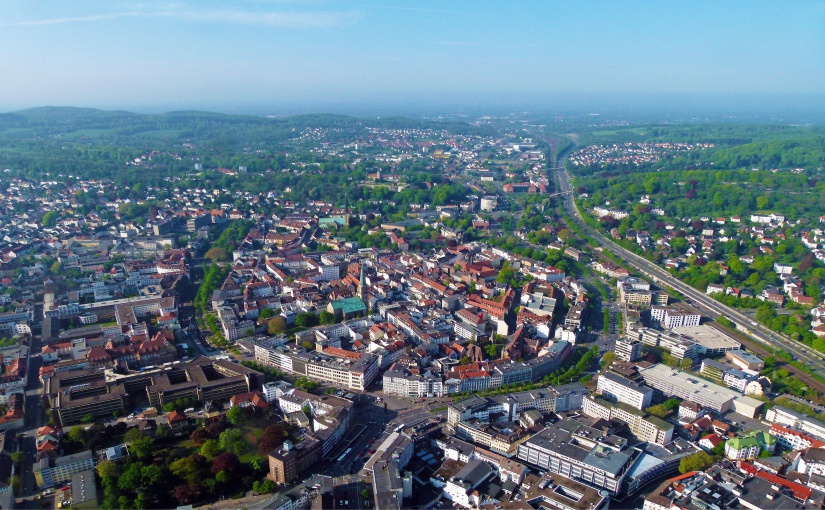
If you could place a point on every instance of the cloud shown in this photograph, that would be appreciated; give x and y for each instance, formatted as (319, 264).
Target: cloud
(281, 19)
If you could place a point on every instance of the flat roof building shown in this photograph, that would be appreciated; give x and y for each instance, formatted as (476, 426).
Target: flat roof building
(675, 383)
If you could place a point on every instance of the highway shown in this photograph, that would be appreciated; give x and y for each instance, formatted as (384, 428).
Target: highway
(707, 305)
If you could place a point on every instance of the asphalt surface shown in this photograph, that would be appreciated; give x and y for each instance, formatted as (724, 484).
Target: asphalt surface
(707, 305)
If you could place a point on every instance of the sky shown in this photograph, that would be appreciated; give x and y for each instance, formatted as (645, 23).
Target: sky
(319, 55)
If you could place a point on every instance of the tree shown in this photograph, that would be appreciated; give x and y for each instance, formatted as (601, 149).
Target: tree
(191, 468)
(306, 320)
(187, 494)
(143, 447)
(265, 487)
(308, 345)
(216, 254)
(227, 463)
(266, 313)
(199, 436)
(49, 219)
(233, 440)
(132, 435)
(465, 360)
(608, 359)
(130, 479)
(273, 437)
(327, 317)
(210, 448)
(151, 475)
(276, 325)
(699, 461)
(236, 415)
(108, 469)
(686, 364)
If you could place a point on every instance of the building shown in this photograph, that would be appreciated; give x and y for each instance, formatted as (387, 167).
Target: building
(557, 491)
(671, 318)
(289, 461)
(744, 360)
(791, 439)
(507, 407)
(750, 446)
(347, 308)
(461, 488)
(77, 393)
(554, 450)
(628, 350)
(616, 388)
(675, 383)
(642, 425)
(784, 416)
(398, 380)
(84, 490)
(49, 471)
(351, 370)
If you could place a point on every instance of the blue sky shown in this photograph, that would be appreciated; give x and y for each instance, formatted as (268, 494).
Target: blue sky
(233, 54)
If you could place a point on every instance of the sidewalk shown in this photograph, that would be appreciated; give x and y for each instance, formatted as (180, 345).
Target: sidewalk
(244, 502)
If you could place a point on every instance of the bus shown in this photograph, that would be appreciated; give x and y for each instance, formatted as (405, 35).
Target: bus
(343, 455)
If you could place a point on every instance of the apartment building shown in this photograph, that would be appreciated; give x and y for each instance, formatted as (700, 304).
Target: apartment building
(797, 420)
(628, 350)
(50, 471)
(642, 425)
(507, 407)
(353, 373)
(290, 460)
(618, 389)
(672, 318)
(750, 446)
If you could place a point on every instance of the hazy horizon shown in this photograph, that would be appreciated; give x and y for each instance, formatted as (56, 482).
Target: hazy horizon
(326, 55)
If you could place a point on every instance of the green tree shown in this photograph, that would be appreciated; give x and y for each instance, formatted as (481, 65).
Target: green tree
(327, 317)
(49, 219)
(108, 469)
(686, 364)
(699, 461)
(236, 416)
(143, 448)
(306, 320)
(210, 449)
(233, 440)
(608, 359)
(276, 325)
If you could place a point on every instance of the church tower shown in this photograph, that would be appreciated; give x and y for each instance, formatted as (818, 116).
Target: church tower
(362, 286)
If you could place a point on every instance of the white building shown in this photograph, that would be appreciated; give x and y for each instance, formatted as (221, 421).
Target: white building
(619, 389)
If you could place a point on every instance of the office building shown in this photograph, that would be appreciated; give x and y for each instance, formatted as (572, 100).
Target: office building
(628, 350)
(50, 471)
(616, 388)
(675, 383)
(554, 450)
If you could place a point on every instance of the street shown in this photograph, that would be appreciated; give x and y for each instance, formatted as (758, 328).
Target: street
(709, 306)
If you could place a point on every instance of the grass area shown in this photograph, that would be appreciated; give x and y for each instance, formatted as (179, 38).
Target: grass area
(438, 409)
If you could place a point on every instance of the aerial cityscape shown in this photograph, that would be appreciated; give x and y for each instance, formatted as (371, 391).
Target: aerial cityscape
(328, 255)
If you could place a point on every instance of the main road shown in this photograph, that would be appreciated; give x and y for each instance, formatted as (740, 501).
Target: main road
(708, 305)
